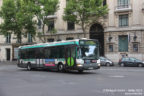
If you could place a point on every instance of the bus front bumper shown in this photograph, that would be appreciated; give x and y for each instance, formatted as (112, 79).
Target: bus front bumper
(92, 66)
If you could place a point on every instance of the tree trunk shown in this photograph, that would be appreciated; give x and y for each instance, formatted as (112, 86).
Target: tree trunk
(84, 31)
(44, 39)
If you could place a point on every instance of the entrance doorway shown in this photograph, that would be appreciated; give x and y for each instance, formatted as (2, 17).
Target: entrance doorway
(97, 32)
(8, 54)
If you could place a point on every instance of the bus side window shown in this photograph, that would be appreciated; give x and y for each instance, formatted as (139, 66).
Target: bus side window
(31, 53)
(47, 52)
(39, 53)
(36, 53)
(61, 52)
(73, 52)
(53, 53)
(23, 54)
(66, 52)
(56, 52)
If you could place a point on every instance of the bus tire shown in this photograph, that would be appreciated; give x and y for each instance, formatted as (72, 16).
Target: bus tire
(61, 68)
(29, 68)
(80, 71)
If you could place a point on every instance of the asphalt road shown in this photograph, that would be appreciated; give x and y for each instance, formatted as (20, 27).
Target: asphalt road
(107, 81)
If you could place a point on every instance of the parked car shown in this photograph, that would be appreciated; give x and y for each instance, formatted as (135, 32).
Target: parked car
(106, 62)
(130, 61)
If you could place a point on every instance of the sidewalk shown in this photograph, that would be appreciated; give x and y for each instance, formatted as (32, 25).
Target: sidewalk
(8, 62)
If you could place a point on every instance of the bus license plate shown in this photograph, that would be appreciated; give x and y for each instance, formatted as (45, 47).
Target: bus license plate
(94, 61)
(90, 68)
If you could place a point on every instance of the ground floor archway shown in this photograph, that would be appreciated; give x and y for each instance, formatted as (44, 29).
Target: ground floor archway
(97, 32)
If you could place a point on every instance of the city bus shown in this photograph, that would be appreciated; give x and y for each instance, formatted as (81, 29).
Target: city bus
(78, 54)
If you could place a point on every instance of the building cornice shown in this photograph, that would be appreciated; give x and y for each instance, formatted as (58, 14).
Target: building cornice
(10, 44)
(65, 33)
(116, 29)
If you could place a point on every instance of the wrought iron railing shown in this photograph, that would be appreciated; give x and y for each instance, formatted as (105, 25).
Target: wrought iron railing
(125, 6)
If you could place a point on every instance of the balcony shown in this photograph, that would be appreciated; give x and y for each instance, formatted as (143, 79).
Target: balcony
(51, 16)
(123, 8)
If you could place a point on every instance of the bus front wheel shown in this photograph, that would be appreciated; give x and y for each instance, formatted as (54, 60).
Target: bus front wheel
(80, 71)
(61, 68)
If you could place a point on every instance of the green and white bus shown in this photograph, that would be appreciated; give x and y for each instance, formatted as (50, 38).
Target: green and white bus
(79, 54)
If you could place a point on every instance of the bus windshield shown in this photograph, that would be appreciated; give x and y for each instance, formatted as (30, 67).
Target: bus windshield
(89, 51)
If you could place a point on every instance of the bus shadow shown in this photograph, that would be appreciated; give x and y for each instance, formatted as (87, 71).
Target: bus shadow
(66, 72)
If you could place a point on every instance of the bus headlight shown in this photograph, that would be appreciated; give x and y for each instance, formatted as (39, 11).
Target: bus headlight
(79, 65)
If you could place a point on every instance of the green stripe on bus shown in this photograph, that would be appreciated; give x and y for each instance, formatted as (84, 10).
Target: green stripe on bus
(45, 45)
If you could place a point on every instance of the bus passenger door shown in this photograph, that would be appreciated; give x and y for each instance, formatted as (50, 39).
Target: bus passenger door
(39, 59)
(70, 56)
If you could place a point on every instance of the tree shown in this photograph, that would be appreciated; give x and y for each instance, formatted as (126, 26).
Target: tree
(84, 12)
(24, 16)
(8, 15)
(46, 8)
(17, 18)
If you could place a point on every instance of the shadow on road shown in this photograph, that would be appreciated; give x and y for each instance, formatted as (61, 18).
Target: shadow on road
(67, 72)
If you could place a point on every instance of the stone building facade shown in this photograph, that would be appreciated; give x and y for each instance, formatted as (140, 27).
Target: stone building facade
(120, 33)
(124, 35)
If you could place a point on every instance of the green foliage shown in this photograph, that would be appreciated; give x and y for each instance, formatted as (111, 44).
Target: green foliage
(46, 8)
(17, 18)
(84, 12)
(8, 14)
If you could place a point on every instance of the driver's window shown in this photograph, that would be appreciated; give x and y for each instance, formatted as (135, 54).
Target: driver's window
(78, 52)
(73, 51)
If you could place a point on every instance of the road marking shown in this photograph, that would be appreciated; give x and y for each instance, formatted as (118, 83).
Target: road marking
(123, 69)
(118, 76)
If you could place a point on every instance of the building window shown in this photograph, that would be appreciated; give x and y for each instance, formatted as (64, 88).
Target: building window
(123, 3)
(123, 20)
(8, 54)
(67, 1)
(30, 38)
(39, 23)
(69, 38)
(8, 38)
(51, 25)
(50, 40)
(104, 2)
(59, 40)
(135, 47)
(123, 43)
(70, 25)
(110, 48)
